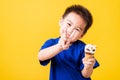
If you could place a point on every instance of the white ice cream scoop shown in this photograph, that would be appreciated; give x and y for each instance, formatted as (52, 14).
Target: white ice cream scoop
(89, 48)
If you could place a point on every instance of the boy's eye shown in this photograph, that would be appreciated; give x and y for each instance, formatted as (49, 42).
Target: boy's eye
(69, 24)
(77, 29)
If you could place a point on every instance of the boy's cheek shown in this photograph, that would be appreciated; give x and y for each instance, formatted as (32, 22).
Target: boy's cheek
(61, 31)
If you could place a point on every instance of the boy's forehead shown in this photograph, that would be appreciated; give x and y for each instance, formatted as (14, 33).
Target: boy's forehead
(72, 17)
(70, 14)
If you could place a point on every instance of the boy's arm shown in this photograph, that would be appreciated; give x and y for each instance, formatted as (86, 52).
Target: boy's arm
(49, 52)
(88, 67)
(52, 51)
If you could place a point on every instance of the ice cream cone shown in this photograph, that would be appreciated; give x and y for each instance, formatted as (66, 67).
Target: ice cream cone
(88, 56)
(89, 51)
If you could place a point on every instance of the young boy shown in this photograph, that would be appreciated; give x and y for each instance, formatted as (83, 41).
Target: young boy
(66, 53)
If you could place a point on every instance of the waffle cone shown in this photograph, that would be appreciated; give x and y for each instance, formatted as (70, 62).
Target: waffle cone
(88, 56)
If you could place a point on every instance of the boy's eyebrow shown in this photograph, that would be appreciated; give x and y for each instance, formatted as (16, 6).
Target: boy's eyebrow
(70, 21)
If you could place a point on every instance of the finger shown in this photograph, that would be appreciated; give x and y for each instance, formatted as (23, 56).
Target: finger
(64, 37)
(65, 32)
(72, 34)
(68, 42)
(66, 46)
(91, 60)
(71, 31)
(88, 64)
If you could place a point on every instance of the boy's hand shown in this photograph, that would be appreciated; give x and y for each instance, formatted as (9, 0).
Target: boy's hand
(88, 67)
(64, 40)
(89, 63)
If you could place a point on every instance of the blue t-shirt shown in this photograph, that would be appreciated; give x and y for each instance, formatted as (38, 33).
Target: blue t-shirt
(67, 65)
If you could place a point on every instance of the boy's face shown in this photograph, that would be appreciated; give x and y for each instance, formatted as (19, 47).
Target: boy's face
(74, 26)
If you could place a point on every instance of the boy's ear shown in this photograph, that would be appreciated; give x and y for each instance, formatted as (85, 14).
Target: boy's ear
(60, 21)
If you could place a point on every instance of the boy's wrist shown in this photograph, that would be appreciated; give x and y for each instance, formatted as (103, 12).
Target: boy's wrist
(87, 66)
(60, 46)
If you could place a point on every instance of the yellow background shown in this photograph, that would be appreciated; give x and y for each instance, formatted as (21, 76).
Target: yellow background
(26, 24)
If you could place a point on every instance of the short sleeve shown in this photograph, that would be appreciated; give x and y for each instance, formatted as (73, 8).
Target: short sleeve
(48, 43)
(96, 64)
